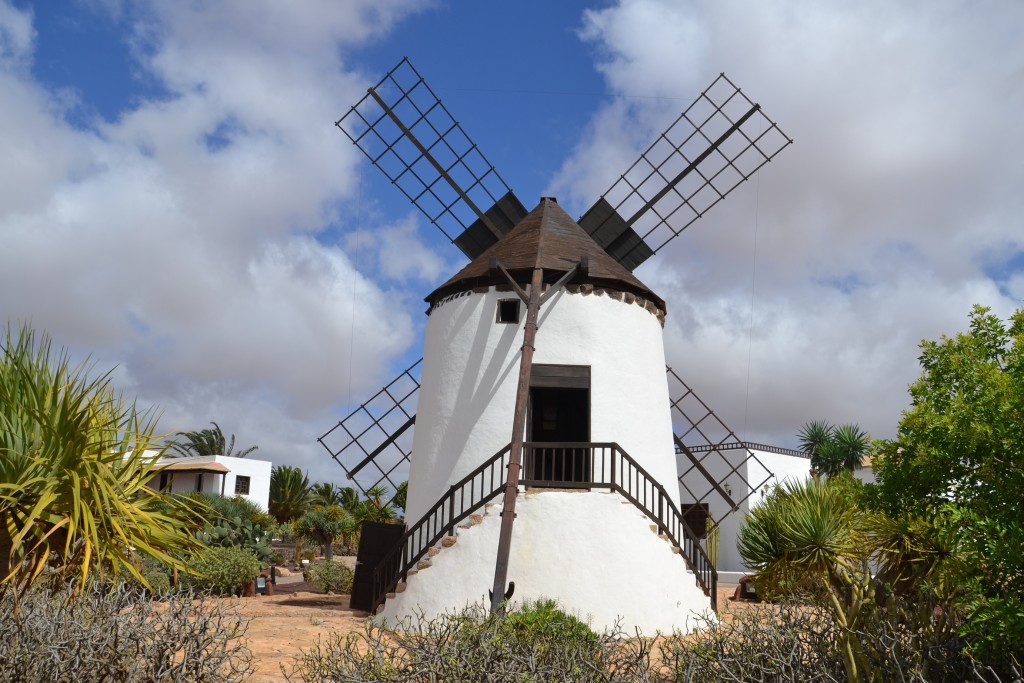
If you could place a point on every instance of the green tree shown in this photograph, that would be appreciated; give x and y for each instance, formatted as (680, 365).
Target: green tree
(373, 508)
(207, 442)
(816, 537)
(810, 535)
(959, 455)
(324, 526)
(75, 459)
(834, 450)
(290, 493)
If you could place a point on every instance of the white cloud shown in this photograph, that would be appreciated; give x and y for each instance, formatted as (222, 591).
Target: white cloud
(873, 231)
(17, 37)
(179, 239)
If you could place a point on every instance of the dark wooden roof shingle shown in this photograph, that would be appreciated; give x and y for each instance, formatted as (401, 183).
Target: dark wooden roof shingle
(547, 237)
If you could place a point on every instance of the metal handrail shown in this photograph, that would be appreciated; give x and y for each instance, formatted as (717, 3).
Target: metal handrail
(462, 499)
(583, 465)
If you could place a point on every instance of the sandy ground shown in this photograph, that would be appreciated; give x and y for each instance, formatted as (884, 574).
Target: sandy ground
(284, 624)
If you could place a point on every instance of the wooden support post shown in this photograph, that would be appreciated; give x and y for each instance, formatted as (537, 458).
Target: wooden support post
(508, 508)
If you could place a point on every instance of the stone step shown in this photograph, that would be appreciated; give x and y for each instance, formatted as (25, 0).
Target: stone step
(475, 519)
(448, 541)
(400, 588)
(424, 564)
(433, 552)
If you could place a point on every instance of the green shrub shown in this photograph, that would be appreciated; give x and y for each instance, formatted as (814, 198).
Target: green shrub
(330, 577)
(115, 633)
(542, 620)
(156, 576)
(222, 570)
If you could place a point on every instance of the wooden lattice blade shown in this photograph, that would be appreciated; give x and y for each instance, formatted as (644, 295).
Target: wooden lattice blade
(373, 444)
(716, 144)
(714, 463)
(405, 130)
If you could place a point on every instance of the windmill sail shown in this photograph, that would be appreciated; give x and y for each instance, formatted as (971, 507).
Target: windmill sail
(373, 443)
(712, 453)
(405, 130)
(718, 142)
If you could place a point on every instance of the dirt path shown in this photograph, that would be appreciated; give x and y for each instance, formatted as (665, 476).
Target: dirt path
(284, 624)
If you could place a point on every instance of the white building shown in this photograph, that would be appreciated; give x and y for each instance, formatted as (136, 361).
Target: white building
(745, 472)
(598, 388)
(225, 475)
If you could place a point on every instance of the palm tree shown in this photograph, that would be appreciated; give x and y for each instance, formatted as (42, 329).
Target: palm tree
(834, 450)
(813, 436)
(208, 442)
(374, 509)
(853, 444)
(327, 493)
(75, 459)
(290, 493)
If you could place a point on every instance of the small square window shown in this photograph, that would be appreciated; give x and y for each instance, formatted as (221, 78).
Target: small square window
(241, 486)
(508, 311)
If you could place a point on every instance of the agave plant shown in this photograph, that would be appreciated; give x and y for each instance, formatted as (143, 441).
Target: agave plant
(75, 458)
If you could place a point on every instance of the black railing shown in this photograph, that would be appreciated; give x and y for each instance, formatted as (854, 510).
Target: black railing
(462, 499)
(606, 465)
(547, 465)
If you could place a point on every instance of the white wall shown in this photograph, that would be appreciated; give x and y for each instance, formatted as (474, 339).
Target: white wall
(470, 373)
(779, 466)
(257, 470)
(596, 555)
(865, 474)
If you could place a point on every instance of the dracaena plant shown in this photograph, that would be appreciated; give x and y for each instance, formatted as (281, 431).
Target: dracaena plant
(75, 458)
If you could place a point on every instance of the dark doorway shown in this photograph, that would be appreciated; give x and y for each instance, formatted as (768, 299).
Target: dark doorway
(559, 416)
(695, 517)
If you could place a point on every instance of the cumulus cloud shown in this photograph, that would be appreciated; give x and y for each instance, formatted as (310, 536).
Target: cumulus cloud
(805, 294)
(186, 239)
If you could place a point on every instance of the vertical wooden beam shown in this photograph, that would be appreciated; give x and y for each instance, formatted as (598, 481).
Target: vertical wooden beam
(508, 509)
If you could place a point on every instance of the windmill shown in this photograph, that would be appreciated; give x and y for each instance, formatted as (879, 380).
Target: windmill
(586, 401)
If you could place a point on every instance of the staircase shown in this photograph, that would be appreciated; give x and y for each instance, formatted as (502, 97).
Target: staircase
(546, 465)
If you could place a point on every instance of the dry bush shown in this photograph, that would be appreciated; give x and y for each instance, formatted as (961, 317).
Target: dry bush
(120, 634)
(905, 642)
(472, 645)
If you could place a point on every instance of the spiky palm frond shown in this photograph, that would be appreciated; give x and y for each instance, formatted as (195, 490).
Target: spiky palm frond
(813, 435)
(207, 442)
(803, 531)
(75, 461)
(290, 493)
(853, 443)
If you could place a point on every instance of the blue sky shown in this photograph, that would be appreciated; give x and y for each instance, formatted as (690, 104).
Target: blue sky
(175, 200)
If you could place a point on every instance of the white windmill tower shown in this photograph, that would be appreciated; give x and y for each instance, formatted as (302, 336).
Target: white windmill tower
(572, 424)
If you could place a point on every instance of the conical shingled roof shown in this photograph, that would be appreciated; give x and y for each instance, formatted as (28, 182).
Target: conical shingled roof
(547, 237)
